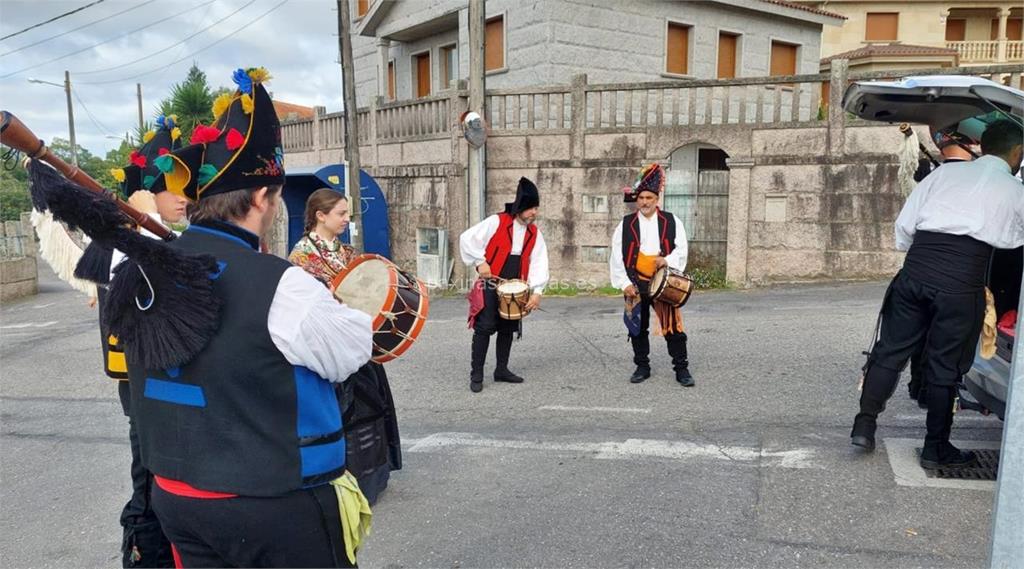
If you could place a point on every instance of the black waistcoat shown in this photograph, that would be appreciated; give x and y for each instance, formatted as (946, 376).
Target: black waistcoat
(631, 239)
(239, 418)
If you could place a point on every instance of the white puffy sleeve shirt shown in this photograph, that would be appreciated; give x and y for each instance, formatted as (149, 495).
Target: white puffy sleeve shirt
(473, 249)
(650, 244)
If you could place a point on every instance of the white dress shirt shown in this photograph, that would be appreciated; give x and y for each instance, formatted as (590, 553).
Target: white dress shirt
(473, 247)
(314, 330)
(650, 244)
(980, 199)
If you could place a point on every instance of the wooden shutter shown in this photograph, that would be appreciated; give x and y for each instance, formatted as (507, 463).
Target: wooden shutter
(363, 7)
(391, 80)
(783, 59)
(882, 26)
(1014, 29)
(423, 75)
(677, 56)
(956, 30)
(727, 56)
(494, 44)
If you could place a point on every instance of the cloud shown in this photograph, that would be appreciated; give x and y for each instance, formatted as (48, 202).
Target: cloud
(296, 42)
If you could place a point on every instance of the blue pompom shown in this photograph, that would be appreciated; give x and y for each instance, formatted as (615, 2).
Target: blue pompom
(242, 79)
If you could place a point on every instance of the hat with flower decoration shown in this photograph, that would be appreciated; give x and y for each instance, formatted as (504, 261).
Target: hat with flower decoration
(242, 149)
(651, 179)
(141, 172)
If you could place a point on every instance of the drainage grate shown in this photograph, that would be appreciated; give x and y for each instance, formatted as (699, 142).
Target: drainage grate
(985, 469)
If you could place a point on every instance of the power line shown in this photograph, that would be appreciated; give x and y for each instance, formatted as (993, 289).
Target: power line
(158, 52)
(93, 46)
(44, 40)
(182, 48)
(92, 117)
(53, 19)
(189, 56)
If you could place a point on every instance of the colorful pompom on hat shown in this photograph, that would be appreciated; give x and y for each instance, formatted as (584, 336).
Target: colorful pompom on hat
(242, 149)
(651, 179)
(141, 173)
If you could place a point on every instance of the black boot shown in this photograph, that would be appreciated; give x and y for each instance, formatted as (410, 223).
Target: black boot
(680, 362)
(879, 383)
(641, 357)
(476, 375)
(503, 351)
(938, 451)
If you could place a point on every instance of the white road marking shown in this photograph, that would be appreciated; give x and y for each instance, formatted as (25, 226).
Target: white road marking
(629, 449)
(908, 472)
(47, 305)
(594, 409)
(29, 325)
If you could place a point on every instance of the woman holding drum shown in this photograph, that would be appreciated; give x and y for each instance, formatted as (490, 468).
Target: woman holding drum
(511, 258)
(368, 411)
(647, 258)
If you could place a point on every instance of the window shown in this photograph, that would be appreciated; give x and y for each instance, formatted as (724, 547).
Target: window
(882, 26)
(593, 203)
(421, 69)
(956, 30)
(727, 44)
(449, 66)
(1013, 29)
(783, 58)
(594, 254)
(391, 80)
(362, 7)
(677, 49)
(494, 44)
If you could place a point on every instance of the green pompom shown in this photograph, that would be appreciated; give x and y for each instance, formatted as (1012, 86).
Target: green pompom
(206, 173)
(165, 163)
(148, 182)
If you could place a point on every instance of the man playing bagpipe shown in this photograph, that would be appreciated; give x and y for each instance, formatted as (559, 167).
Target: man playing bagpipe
(643, 242)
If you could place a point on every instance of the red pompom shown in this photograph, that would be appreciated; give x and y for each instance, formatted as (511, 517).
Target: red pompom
(162, 151)
(235, 139)
(137, 159)
(203, 134)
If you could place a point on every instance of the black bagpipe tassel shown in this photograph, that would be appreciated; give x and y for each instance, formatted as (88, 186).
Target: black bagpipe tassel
(94, 266)
(160, 303)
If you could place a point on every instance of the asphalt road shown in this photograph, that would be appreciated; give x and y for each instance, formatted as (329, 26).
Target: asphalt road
(574, 468)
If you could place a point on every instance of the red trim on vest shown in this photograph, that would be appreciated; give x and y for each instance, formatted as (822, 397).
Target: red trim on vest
(634, 247)
(179, 488)
(500, 246)
(177, 557)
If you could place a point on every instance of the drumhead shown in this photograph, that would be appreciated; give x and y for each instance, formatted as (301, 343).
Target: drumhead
(366, 286)
(513, 287)
(658, 280)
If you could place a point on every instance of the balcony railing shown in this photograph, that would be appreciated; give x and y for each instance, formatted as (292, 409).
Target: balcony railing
(987, 51)
(1015, 50)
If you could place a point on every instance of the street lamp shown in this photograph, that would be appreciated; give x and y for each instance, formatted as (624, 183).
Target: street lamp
(71, 111)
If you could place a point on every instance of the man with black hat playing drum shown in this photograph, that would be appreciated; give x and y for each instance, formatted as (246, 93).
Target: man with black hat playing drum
(245, 439)
(507, 245)
(644, 242)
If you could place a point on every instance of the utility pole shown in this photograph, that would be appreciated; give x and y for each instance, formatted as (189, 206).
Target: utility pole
(477, 156)
(1007, 548)
(348, 84)
(138, 93)
(71, 118)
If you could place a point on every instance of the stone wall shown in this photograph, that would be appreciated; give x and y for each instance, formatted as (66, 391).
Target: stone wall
(18, 270)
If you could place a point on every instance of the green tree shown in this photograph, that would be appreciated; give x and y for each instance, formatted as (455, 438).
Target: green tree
(14, 197)
(192, 102)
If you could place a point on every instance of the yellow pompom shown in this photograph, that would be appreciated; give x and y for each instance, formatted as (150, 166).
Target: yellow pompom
(175, 133)
(247, 104)
(259, 74)
(221, 104)
(148, 136)
(174, 118)
(118, 174)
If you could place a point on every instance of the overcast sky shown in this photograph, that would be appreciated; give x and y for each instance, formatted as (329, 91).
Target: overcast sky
(295, 42)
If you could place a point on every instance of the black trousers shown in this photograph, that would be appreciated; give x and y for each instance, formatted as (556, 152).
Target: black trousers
(143, 542)
(917, 317)
(372, 444)
(676, 342)
(488, 322)
(299, 529)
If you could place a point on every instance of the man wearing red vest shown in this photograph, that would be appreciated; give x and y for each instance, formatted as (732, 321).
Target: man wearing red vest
(644, 242)
(506, 245)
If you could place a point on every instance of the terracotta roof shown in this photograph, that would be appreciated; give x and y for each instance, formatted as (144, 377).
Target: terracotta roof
(796, 6)
(890, 49)
(289, 111)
